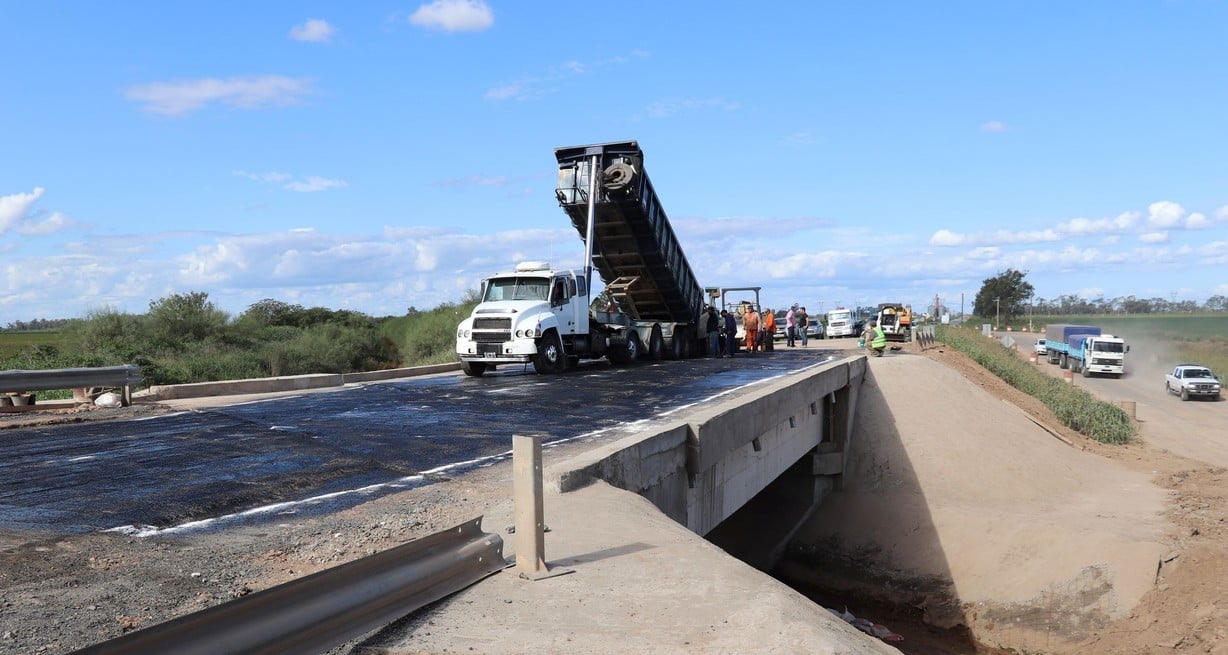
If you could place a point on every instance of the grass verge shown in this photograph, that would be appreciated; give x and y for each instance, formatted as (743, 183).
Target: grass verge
(1074, 407)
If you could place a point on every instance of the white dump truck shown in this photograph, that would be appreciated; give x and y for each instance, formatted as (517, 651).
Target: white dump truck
(552, 319)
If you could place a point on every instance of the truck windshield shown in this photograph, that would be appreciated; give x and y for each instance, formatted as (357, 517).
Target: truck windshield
(839, 316)
(517, 288)
(1111, 347)
(1197, 373)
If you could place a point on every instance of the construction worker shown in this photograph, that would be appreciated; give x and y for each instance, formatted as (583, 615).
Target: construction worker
(750, 322)
(769, 328)
(876, 339)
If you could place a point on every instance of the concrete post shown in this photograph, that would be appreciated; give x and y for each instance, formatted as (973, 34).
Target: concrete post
(530, 514)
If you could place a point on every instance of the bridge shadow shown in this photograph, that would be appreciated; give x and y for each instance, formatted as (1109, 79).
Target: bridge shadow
(872, 547)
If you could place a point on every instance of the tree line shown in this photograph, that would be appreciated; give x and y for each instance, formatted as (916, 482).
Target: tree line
(1008, 295)
(185, 338)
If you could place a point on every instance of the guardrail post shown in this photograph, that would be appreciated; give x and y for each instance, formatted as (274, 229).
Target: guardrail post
(530, 521)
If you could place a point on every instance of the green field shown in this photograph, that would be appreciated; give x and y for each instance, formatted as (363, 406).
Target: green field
(13, 343)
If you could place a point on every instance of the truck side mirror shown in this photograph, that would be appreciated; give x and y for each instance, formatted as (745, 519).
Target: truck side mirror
(1127, 348)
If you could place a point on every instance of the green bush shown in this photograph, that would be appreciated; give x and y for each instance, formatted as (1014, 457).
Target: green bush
(1074, 407)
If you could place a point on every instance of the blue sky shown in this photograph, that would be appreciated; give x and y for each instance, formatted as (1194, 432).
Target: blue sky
(378, 155)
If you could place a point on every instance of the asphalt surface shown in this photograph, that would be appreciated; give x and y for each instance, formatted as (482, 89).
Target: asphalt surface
(321, 452)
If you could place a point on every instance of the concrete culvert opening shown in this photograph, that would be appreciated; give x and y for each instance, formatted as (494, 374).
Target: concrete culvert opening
(961, 524)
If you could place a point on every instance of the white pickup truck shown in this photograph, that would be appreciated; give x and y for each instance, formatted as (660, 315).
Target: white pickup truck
(1190, 381)
(1040, 347)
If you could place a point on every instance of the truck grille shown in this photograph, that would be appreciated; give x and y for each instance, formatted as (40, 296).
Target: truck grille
(492, 330)
(480, 323)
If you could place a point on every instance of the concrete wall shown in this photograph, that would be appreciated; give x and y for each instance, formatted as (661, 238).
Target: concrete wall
(700, 471)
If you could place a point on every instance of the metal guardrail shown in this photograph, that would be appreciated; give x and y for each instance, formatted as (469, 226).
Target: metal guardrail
(119, 377)
(325, 609)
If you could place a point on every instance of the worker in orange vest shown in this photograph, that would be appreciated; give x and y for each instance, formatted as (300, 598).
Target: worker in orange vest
(769, 328)
(750, 323)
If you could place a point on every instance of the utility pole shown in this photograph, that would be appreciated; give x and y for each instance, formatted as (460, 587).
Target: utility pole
(997, 313)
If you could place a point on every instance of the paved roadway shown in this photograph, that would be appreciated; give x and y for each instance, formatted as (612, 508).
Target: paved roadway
(319, 452)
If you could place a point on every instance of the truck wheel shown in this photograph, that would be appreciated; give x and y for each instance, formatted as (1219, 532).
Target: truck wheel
(1083, 369)
(1063, 361)
(550, 357)
(656, 344)
(632, 348)
(473, 369)
(1185, 394)
(677, 345)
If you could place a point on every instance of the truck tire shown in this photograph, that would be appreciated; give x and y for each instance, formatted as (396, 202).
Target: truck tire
(678, 344)
(1086, 373)
(473, 369)
(617, 176)
(550, 357)
(1185, 394)
(656, 344)
(632, 349)
(1063, 361)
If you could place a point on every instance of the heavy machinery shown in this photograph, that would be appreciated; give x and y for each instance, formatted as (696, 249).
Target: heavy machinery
(896, 321)
(651, 300)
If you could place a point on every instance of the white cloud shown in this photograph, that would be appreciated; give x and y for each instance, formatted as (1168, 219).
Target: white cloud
(309, 184)
(946, 238)
(57, 222)
(1165, 214)
(1159, 236)
(1121, 223)
(535, 86)
(993, 127)
(454, 16)
(504, 92)
(314, 183)
(672, 106)
(256, 92)
(315, 30)
(13, 208)
(1197, 221)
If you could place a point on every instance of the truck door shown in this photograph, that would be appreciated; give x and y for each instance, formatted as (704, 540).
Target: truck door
(563, 302)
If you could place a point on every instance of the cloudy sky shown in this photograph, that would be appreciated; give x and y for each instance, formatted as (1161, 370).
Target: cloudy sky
(378, 155)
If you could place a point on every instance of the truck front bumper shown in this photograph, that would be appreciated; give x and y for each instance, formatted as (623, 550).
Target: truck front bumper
(507, 352)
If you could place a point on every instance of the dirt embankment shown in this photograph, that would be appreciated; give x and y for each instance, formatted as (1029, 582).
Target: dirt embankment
(1032, 536)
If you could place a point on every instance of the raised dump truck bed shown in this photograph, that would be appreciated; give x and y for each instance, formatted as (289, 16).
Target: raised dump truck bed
(634, 249)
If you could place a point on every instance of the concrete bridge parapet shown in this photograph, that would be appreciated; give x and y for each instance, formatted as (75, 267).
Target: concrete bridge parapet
(700, 471)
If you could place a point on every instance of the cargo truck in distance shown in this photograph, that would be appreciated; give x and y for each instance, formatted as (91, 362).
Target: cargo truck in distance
(840, 323)
(1083, 349)
(651, 302)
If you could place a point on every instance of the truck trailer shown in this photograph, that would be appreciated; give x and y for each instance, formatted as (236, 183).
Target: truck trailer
(651, 301)
(1056, 336)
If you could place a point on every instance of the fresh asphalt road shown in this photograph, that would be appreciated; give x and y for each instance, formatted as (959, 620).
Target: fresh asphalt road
(320, 452)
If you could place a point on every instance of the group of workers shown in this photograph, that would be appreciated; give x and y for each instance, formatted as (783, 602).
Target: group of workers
(718, 331)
